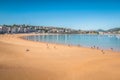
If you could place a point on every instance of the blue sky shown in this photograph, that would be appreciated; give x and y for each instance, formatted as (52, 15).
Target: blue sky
(76, 14)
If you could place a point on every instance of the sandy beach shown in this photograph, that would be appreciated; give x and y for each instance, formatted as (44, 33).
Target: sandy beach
(28, 60)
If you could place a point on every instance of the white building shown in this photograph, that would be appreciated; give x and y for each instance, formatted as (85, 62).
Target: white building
(101, 32)
(0, 29)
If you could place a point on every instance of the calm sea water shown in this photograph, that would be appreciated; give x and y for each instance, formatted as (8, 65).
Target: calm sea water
(101, 41)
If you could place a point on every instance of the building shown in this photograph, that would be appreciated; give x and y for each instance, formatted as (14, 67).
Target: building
(0, 29)
(100, 32)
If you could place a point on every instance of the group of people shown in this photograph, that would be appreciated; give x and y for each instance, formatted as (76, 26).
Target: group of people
(94, 47)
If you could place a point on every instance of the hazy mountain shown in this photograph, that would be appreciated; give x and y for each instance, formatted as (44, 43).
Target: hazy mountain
(101, 30)
(114, 29)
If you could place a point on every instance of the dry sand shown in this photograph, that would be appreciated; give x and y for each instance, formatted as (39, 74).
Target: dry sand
(27, 60)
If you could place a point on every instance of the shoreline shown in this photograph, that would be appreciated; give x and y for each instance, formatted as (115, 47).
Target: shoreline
(21, 36)
(90, 47)
(29, 60)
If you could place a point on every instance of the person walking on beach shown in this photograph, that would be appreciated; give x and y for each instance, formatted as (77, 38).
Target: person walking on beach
(102, 51)
(27, 50)
(93, 46)
(47, 45)
(112, 49)
(97, 47)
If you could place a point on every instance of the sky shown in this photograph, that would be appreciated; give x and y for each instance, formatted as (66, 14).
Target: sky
(75, 14)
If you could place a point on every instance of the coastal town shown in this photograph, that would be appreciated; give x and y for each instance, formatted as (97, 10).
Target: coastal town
(10, 29)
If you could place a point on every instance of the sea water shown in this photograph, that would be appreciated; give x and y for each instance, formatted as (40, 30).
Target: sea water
(86, 40)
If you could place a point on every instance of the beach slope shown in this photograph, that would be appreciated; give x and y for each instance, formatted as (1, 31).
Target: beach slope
(28, 60)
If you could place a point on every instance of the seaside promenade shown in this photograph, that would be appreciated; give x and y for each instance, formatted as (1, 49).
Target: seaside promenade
(29, 60)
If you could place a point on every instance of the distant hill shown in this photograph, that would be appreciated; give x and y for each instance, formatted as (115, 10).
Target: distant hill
(114, 29)
(101, 30)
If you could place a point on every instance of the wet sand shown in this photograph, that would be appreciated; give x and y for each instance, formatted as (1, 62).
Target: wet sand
(28, 60)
